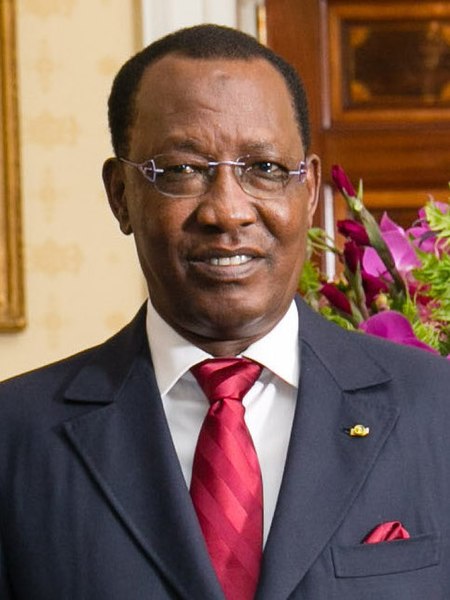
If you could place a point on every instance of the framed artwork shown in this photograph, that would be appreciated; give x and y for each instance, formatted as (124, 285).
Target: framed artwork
(12, 314)
(389, 62)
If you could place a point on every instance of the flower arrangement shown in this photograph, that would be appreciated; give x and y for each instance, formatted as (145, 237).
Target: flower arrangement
(395, 283)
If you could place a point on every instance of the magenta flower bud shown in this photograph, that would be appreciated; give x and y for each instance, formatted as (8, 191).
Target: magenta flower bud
(352, 255)
(335, 297)
(341, 181)
(373, 286)
(353, 230)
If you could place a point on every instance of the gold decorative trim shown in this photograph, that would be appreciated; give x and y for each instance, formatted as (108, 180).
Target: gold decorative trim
(261, 24)
(12, 311)
(138, 25)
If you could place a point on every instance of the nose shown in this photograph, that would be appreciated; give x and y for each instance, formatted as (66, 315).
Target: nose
(226, 207)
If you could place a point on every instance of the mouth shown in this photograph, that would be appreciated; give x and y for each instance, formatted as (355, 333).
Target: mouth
(226, 265)
(229, 261)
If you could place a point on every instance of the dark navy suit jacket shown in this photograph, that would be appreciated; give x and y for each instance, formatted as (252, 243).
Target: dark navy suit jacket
(93, 504)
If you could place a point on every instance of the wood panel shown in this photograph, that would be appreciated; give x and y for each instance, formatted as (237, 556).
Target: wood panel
(394, 133)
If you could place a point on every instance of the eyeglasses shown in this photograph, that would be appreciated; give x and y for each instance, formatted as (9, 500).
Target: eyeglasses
(189, 176)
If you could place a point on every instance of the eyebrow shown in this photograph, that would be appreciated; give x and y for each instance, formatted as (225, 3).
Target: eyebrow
(262, 147)
(252, 147)
(186, 145)
(192, 145)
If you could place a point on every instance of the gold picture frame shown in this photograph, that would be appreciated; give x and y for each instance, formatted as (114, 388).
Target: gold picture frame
(12, 310)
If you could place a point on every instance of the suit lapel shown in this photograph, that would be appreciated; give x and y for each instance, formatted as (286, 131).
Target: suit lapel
(127, 447)
(325, 467)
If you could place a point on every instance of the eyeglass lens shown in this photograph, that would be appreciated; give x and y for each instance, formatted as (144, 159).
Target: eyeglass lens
(191, 176)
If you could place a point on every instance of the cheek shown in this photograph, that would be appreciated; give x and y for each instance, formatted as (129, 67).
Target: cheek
(289, 232)
(159, 233)
(288, 223)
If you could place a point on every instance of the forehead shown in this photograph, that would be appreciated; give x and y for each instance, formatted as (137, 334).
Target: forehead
(216, 99)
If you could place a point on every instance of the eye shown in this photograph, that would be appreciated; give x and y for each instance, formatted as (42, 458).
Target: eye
(175, 169)
(267, 169)
(181, 169)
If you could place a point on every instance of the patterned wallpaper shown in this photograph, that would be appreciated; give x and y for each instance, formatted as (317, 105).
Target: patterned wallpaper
(82, 281)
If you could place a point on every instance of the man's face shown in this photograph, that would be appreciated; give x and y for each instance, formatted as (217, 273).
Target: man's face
(223, 266)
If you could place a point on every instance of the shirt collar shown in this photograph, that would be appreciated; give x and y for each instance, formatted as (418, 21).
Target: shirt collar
(173, 355)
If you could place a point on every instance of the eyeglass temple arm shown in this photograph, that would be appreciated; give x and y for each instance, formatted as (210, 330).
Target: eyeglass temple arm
(301, 171)
(144, 168)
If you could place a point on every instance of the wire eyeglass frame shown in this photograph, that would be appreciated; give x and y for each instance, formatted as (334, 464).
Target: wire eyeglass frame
(150, 172)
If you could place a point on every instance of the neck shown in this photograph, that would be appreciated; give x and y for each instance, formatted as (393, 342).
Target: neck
(222, 341)
(220, 348)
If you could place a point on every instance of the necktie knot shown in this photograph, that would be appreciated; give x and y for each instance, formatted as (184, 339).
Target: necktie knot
(226, 378)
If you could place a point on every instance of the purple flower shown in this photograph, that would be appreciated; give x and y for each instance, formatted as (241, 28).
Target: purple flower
(394, 326)
(373, 265)
(402, 251)
(353, 230)
(336, 297)
(398, 243)
(423, 238)
(341, 181)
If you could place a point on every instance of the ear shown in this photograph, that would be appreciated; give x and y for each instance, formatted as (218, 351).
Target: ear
(115, 188)
(313, 181)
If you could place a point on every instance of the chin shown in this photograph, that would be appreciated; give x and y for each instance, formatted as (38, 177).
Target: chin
(236, 322)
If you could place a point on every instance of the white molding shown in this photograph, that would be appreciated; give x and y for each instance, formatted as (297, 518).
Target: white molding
(328, 220)
(246, 15)
(158, 20)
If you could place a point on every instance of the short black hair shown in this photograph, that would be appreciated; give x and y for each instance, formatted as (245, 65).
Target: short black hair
(202, 42)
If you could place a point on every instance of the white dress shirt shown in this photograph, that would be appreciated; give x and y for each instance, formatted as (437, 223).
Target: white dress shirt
(269, 404)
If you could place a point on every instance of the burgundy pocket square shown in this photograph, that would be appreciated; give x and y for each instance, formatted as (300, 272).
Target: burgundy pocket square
(386, 532)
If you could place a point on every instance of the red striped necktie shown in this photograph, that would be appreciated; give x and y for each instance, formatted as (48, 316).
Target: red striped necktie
(226, 486)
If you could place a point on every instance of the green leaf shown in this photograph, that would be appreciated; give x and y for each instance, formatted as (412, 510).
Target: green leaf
(437, 220)
(333, 316)
(310, 279)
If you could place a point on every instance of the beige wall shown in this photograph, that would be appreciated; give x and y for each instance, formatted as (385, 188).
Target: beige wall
(82, 281)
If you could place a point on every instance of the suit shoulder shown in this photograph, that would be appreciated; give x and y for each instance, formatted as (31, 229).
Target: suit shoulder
(47, 377)
(351, 356)
(400, 356)
(102, 357)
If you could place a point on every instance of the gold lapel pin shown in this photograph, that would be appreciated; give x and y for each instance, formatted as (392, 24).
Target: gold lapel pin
(358, 430)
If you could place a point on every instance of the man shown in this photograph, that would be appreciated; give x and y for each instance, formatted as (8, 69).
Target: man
(349, 433)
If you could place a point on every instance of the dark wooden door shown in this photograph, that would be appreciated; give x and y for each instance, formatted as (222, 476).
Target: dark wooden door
(378, 80)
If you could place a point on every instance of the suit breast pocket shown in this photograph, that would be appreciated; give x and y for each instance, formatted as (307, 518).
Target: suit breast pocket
(404, 569)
